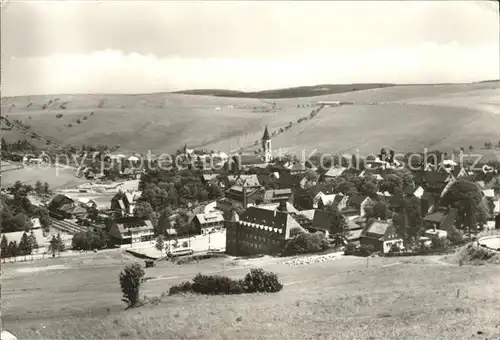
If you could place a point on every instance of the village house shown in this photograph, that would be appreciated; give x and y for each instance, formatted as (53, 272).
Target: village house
(123, 204)
(441, 219)
(64, 207)
(278, 195)
(327, 223)
(298, 167)
(359, 202)
(260, 231)
(321, 201)
(130, 230)
(375, 173)
(208, 222)
(381, 235)
(243, 197)
(334, 172)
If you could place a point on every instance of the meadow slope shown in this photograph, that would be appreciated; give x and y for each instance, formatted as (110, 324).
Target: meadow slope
(403, 117)
(386, 298)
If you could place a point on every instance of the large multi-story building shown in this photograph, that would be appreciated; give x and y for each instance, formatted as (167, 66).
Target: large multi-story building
(260, 231)
(130, 230)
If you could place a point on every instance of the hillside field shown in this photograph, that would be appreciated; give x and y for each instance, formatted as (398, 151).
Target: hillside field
(405, 118)
(348, 298)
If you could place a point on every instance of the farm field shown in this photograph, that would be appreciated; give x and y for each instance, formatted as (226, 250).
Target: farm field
(348, 298)
(405, 118)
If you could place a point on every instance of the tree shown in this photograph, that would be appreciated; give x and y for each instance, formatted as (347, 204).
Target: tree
(53, 246)
(466, 197)
(24, 246)
(43, 215)
(13, 249)
(130, 282)
(46, 189)
(60, 244)
(33, 242)
(214, 191)
(143, 210)
(38, 187)
(369, 188)
(160, 245)
(4, 248)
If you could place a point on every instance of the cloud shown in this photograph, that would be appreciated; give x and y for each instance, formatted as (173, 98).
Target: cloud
(113, 71)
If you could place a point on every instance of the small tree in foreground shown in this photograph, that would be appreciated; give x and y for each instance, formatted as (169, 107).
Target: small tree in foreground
(160, 245)
(4, 248)
(130, 281)
(33, 243)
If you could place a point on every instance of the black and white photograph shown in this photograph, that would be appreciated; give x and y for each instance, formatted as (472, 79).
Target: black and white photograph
(250, 170)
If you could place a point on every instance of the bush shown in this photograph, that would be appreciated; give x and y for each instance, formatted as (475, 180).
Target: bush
(350, 248)
(306, 243)
(260, 281)
(455, 236)
(216, 285)
(184, 287)
(438, 242)
(130, 281)
(256, 281)
(366, 250)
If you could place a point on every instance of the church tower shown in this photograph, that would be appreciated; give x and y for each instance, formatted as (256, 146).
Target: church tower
(266, 146)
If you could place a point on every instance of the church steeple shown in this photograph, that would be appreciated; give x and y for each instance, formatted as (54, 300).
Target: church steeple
(266, 135)
(266, 146)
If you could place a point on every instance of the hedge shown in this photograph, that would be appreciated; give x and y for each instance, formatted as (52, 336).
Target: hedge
(257, 281)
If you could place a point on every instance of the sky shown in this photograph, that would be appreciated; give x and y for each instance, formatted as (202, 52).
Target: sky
(55, 47)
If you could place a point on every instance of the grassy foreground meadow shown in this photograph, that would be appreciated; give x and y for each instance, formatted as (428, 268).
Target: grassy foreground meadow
(348, 298)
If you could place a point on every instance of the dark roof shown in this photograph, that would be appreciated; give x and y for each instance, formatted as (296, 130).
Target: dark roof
(248, 159)
(440, 215)
(376, 229)
(456, 170)
(323, 220)
(435, 177)
(266, 135)
(271, 218)
(357, 199)
(277, 194)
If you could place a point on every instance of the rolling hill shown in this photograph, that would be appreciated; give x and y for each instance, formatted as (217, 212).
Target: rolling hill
(408, 117)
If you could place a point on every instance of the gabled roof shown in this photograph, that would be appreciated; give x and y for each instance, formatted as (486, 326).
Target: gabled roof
(334, 199)
(273, 219)
(248, 159)
(357, 199)
(373, 172)
(489, 192)
(132, 224)
(277, 194)
(211, 217)
(418, 192)
(274, 206)
(435, 177)
(335, 171)
(439, 216)
(298, 166)
(244, 180)
(309, 214)
(376, 229)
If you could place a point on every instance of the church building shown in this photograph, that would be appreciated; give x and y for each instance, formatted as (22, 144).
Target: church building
(242, 160)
